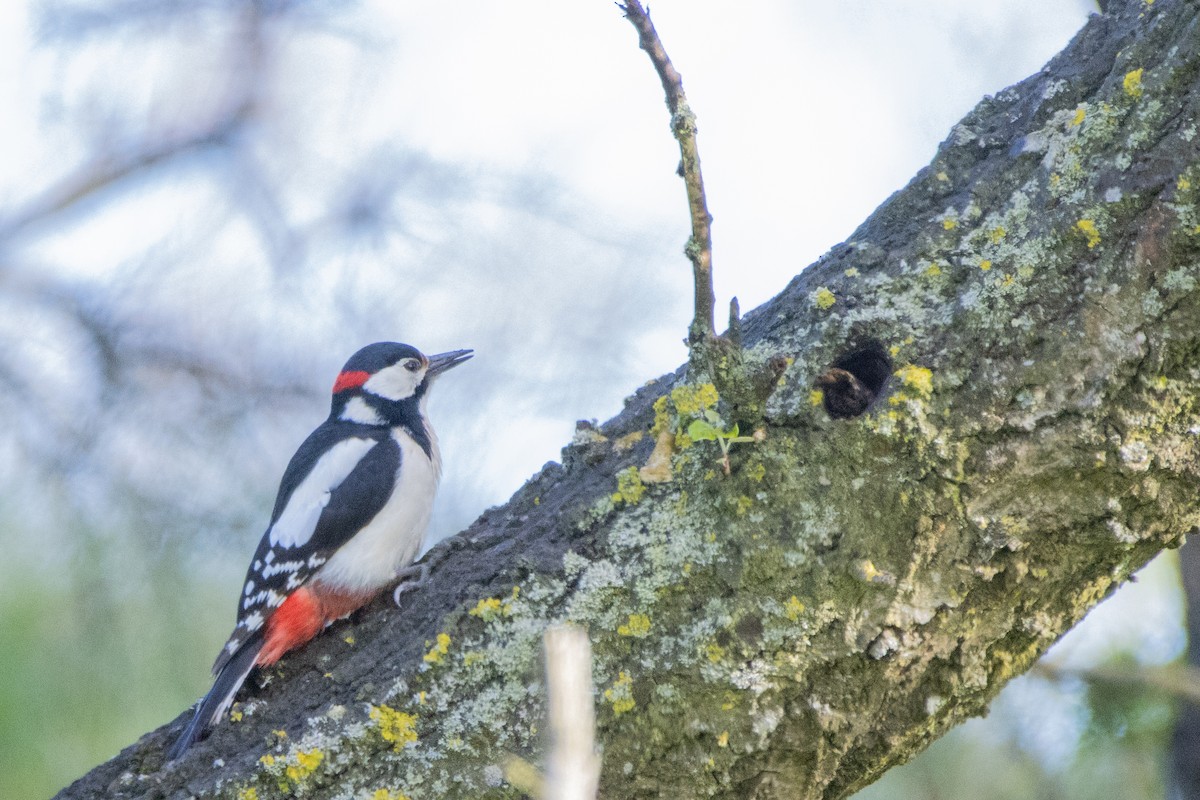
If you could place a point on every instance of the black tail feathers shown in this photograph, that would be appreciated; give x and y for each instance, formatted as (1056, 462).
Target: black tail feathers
(219, 697)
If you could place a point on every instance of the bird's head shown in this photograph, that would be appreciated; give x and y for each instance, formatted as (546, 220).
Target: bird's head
(390, 372)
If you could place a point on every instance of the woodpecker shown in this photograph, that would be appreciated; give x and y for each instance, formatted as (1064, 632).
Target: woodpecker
(349, 518)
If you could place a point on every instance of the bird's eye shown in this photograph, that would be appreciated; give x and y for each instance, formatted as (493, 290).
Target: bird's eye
(412, 365)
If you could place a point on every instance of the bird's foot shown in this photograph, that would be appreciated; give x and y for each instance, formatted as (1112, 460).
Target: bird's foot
(410, 579)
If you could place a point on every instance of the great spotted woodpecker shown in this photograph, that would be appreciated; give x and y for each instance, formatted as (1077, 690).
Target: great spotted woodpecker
(349, 519)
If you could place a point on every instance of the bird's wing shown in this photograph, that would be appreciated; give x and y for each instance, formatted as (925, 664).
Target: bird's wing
(337, 482)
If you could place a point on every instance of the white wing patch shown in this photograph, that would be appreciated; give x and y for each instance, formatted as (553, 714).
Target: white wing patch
(296, 524)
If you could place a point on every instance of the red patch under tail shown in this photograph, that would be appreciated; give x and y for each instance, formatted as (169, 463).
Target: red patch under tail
(302, 616)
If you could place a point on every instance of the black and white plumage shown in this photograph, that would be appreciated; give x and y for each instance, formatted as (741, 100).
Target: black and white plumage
(350, 515)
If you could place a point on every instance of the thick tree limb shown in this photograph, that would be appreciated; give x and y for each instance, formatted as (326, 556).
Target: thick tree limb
(853, 589)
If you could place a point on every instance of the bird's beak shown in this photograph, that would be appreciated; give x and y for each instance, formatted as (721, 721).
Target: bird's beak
(444, 361)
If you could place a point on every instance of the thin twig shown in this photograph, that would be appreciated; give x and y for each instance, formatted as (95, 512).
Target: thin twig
(105, 172)
(573, 768)
(1180, 680)
(683, 125)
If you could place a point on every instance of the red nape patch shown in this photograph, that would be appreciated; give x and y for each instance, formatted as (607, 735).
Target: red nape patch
(299, 619)
(350, 380)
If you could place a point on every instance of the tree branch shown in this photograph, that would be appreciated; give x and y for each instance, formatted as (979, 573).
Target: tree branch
(854, 588)
(683, 126)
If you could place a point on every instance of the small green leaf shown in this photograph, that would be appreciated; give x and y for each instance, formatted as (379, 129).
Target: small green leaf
(700, 431)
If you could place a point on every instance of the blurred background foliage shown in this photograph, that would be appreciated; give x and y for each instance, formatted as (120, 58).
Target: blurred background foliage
(207, 205)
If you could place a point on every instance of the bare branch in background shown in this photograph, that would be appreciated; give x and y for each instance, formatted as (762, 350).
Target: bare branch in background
(1180, 681)
(108, 171)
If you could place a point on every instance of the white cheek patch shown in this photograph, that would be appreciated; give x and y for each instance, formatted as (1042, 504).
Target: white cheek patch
(395, 382)
(357, 410)
(296, 524)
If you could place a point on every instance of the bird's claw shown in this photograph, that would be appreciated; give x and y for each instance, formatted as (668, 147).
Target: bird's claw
(410, 579)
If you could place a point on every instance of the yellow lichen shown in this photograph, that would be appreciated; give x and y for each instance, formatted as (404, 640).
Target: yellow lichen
(866, 570)
(793, 608)
(1080, 116)
(933, 270)
(348, 638)
(851, 273)
(824, 299)
(620, 694)
(1133, 82)
(267, 760)
(691, 400)
(306, 763)
(949, 223)
(996, 235)
(757, 472)
(714, 652)
(1183, 184)
(440, 649)
(1088, 228)
(662, 417)
(235, 715)
(630, 488)
(396, 727)
(248, 793)
(743, 505)
(985, 265)
(473, 657)
(723, 739)
(919, 379)
(816, 397)
(487, 608)
(637, 626)
(388, 794)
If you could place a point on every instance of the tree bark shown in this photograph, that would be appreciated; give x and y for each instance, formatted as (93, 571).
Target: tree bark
(851, 589)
